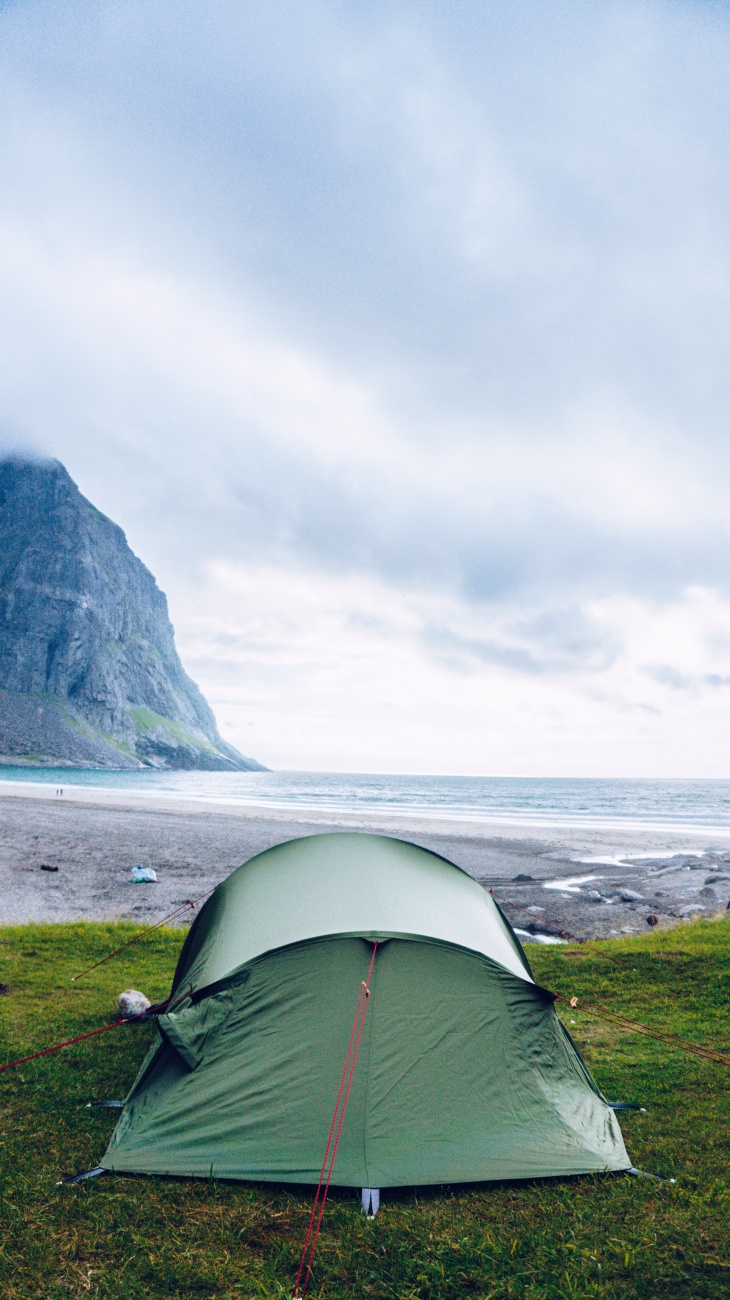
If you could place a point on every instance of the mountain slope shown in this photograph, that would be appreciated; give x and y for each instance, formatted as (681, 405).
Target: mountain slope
(89, 673)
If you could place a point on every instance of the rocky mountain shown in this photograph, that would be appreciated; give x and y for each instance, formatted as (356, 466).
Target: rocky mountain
(89, 673)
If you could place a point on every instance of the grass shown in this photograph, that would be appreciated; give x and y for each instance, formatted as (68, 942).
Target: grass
(145, 720)
(607, 1236)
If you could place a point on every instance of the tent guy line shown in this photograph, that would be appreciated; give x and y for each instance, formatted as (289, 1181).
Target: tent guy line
(307, 1260)
(601, 1013)
(189, 902)
(614, 1017)
(671, 1040)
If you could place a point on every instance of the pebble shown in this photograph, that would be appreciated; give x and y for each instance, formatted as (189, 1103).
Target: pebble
(132, 1003)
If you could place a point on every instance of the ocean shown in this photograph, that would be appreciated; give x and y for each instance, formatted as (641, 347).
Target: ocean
(527, 801)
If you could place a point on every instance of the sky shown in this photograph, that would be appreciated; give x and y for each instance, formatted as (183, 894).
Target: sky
(396, 337)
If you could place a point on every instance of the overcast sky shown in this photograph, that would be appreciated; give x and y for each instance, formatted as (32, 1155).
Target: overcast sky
(396, 337)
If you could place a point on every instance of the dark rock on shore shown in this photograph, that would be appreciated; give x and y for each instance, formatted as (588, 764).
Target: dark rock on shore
(89, 672)
(605, 900)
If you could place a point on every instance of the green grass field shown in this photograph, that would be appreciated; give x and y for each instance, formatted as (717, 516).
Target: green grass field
(611, 1236)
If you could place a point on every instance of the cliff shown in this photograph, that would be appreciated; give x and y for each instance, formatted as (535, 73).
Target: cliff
(89, 673)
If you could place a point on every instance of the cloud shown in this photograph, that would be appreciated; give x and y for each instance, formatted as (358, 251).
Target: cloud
(666, 675)
(302, 667)
(435, 301)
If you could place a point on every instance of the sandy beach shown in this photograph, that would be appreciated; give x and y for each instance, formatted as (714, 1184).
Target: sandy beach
(548, 878)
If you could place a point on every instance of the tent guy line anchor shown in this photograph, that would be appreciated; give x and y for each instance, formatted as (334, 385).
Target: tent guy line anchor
(320, 1197)
(81, 1178)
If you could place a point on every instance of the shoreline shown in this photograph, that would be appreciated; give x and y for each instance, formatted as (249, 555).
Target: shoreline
(668, 835)
(95, 836)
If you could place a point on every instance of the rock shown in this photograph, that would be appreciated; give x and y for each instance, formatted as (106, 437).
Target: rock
(690, 908)
(652, 919)
(132, 1003)
(631, 896)
(712, 880)
(535, 908)
(595, 896)
(708, 893)
(46, 866)
(143, 876)
(523, 877)
(89, 672)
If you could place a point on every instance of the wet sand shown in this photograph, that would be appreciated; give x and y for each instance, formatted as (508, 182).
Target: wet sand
(94, 838)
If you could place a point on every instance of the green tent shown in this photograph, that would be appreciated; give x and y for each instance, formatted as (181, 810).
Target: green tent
(465, 1072)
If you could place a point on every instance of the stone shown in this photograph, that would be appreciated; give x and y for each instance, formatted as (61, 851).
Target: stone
(89, 672)
(631, 896)
(523, 877)
(595, 896)
(690, 909)
(708, 892)
(712, 880)
(535, 908)
(132, 1003)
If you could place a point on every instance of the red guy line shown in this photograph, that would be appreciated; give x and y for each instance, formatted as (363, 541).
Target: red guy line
(307, 1260)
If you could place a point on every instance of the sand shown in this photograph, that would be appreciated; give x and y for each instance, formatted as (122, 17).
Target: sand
(94, 838)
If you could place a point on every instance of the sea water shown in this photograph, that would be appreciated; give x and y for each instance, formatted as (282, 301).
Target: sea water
(526, 801)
